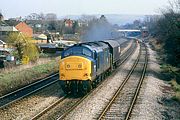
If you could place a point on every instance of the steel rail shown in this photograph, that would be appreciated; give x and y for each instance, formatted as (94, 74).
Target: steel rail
(77, 103)
(8, 98)
(120, 87)
(48, 108)
(15, 93)
(130, 50)
(27, 86)
(60, 100)
(139, 86)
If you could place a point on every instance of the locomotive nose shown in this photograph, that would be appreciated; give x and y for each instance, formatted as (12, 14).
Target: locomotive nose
(75, 68)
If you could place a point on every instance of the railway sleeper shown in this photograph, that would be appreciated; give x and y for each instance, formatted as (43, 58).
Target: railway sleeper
(76, 87)
(82, 87)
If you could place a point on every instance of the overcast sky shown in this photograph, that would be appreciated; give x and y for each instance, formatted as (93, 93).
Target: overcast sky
(14, 8)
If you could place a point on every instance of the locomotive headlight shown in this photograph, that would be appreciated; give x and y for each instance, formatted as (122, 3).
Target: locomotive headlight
(62, 75)
(68, 66)
(86, 74)
(79, 66)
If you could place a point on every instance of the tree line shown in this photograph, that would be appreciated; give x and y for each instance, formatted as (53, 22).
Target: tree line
(166, 28)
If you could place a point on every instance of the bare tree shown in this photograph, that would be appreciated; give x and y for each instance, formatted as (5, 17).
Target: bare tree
(167, 29)
(51, 16)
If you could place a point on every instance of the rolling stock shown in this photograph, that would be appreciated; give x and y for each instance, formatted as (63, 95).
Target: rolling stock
(84, 65)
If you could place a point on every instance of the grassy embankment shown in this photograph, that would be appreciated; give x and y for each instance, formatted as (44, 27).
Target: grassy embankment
(14, 79)
(172, 73)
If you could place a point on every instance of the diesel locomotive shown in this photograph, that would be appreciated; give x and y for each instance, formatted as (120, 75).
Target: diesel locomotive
(84, 65)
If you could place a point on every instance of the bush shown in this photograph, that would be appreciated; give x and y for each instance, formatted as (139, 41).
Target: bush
(176, 88)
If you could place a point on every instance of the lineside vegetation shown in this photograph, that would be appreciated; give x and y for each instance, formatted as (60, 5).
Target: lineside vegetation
(23, 45)
(12, 80)
(166, 31)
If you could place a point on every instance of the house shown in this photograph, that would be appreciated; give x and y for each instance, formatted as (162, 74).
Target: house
(68, 23)
(40, 38)
(25, 29)
(82, 23)
(71, 37)
(5, 30)
(21, 27)
(65, 43)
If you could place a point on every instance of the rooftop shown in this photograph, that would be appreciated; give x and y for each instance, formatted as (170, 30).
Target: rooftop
(2, 42)
(8, 28)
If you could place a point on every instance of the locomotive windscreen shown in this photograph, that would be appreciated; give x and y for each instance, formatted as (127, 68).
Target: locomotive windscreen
(77, 51)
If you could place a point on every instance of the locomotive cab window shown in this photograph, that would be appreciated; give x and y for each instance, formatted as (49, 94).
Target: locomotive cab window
(87, 52)
(78, 51)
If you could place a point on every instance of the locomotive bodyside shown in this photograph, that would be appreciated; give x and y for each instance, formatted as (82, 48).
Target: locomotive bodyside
(102, 57)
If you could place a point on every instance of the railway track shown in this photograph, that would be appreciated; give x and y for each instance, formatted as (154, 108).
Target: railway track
(123, 101)
(27, 90)
(124, 56)
(34, 87)
(48, 108)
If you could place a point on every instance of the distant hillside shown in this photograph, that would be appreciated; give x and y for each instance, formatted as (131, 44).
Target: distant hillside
(123, 19)
(112, 18)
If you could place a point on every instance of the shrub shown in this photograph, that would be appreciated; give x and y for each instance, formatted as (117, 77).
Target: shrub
(176, 88)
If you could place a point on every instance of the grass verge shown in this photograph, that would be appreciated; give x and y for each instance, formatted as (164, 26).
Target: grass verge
(176, 88)
(171, 73)
(13, 80)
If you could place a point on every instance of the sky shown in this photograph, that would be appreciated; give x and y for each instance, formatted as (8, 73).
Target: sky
(15, 8)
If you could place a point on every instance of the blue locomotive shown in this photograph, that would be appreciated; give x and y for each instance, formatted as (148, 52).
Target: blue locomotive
(84, 65)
